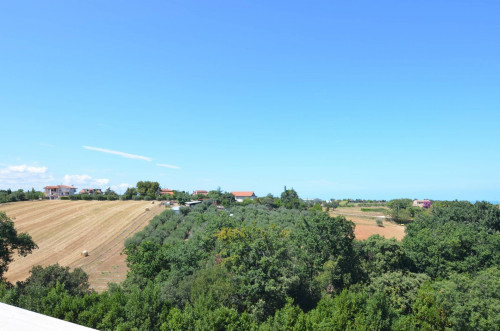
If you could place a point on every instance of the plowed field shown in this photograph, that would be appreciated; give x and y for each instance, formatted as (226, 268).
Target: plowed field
(63, 229)
(366, 223)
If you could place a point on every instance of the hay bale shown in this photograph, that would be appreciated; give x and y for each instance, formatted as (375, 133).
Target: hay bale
(85, 253)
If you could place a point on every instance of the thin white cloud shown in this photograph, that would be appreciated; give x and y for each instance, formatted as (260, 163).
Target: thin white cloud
(100, 182)
(120, 188)
(122, 154)
(24, 176)
(85, 181)
(24, 169)
(167, 166)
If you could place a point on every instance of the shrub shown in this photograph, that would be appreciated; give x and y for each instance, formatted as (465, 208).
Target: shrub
(184, 210)
(64, 198)
(379, 223)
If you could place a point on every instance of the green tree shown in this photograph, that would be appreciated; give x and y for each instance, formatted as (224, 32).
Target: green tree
(11, 241)
(261, 266)
(269, 201)
(400, 288)
(75, 282)
(379, 255)
(148, 188)
(290, 199)
(472, 302)
(182, 197)
(326, 247)
(458, 237)
(428, 313)
(130, 193)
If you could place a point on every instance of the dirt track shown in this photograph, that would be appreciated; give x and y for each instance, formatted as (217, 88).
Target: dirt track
(63, 229)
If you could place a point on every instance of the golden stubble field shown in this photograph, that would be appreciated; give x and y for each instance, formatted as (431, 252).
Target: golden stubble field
(63, 229)
(366, 223)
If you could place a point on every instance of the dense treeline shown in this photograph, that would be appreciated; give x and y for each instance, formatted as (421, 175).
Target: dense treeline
(108, 194)
(20, 195)
(288, 269)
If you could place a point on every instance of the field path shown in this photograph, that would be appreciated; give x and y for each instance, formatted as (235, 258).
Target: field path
(63, 229)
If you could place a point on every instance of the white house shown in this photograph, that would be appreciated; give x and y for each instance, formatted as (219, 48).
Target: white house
(421, 203)
(57, 191)
(240, 196)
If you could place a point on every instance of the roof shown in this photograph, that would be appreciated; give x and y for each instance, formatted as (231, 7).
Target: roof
(84, 190)
(201, 191)
(59, 186)
(14, 318)
(189, 203)
(243, 193)
(166, 190)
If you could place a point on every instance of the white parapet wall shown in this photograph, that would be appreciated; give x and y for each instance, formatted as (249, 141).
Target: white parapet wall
(18, 319)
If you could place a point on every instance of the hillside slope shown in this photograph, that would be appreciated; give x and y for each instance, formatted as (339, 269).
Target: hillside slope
(63, 229)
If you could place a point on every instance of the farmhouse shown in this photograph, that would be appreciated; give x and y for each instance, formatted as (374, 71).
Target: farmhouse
(241, 195)
(422, 203)
(202, 192)
(166, 191)
(90, 191)
(57, 191)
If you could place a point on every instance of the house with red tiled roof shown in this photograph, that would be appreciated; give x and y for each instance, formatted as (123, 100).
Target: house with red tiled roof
(241, 195)
(166, 191)
(202, 192)
(90, 191)
(57, 191)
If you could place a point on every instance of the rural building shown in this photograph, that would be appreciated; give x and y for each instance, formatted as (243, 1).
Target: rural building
(90, 191)
(191, 204)
(422, 203)
(166, 191)
(202, 192)
(57, 191)
(241, 195)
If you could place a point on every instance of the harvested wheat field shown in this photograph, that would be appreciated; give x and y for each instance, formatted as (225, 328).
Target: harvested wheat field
(366, 223)
(63, 229)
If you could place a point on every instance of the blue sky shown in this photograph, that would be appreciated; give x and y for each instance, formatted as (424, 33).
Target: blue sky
(368, 99)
